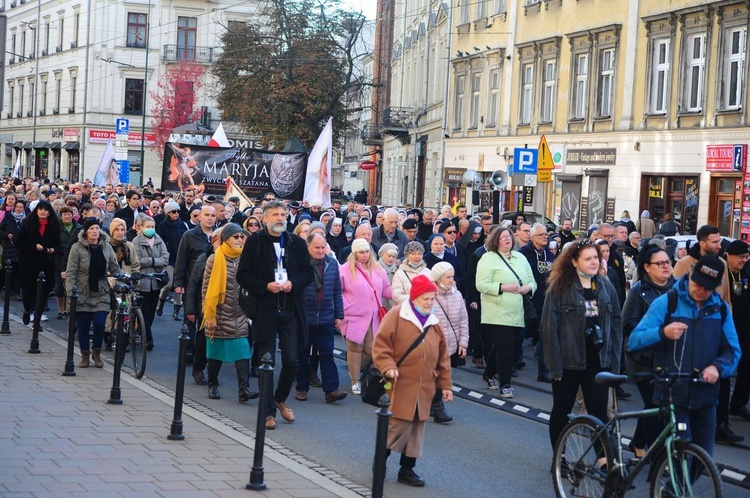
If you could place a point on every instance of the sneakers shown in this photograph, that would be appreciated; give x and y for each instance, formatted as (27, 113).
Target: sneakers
(42, 319)
(492, 384)
(725, 434)
(356, 388)
(286, 412)
(506, 392)
(335, 396)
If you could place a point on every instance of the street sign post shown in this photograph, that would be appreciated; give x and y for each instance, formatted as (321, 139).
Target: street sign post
(545, 155)
(525, 161)
(124, 167)
(544, 176)
(122, 126)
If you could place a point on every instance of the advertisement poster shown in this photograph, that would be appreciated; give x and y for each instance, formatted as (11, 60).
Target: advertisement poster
(745, 217)
(205, 169)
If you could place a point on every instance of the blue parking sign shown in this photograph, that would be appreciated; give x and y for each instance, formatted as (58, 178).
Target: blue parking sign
(123, 126)
(525, 161)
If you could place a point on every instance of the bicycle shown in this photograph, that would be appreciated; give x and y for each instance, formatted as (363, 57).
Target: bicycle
(680, 468)
(134, 325)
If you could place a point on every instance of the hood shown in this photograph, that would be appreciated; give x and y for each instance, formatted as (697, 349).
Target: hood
(466, 238)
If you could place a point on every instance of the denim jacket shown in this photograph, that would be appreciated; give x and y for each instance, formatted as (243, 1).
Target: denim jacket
(563, 329)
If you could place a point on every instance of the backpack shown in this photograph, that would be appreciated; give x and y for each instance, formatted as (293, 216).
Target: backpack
(672, 306)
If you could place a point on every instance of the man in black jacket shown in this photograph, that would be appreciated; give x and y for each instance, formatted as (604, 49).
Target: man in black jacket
(194, 243)
(134, 207)
(275, 267)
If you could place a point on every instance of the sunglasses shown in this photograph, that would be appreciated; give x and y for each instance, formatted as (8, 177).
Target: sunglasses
(253, 225)
(238, 236)
(450, 232)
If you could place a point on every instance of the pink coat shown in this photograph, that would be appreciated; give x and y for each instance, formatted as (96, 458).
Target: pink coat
(360, 305)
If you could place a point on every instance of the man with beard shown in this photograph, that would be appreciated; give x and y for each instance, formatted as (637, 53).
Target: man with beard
(275, 267)
(424, 228)
(186, 205)
(566, 233)
(709, 242)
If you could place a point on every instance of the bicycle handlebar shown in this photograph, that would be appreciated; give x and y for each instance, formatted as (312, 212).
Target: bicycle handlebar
(135, 277)
(661, 375)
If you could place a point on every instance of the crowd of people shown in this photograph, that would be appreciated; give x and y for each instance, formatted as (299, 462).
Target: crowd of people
(433, 288)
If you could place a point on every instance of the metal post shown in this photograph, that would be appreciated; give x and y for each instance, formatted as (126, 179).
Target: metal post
(6, 302)
(69, 365)
(381, 452)
(41, 298)
(266, 386)
(175, 433)
(114, 393)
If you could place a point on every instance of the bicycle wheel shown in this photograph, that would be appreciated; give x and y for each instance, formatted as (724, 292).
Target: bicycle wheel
(575, 468)
(137, 333)
(693, 473)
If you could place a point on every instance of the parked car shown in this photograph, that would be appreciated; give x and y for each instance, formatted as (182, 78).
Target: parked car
(532, 217)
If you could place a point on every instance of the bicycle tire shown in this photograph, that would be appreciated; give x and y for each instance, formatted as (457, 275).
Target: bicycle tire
(579, 474)
(137, 336)
(686, 454)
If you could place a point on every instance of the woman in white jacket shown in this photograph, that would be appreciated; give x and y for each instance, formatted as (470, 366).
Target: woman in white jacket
(412, 266)
(451, 311)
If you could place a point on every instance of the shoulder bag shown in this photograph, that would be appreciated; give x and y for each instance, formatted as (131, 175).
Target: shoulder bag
(382, 310)
(456, 360)
(529, 312)
(372, 383)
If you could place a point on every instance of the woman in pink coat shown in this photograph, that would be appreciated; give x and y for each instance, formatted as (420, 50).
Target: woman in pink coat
(364, 284)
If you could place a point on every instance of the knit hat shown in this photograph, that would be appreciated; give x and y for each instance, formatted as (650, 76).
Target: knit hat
(90, 222)
(737, 247)
(708, 272)
(387, 247)
(317, 224)
(413, 246)
(305, 216)
(216, 234)
(114, 224)
(229, 230)
(360, 245)
(171, 206)
(421, 285)
(439, 270)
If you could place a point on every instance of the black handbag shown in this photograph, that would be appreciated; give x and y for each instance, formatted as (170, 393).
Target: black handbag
(529, 311)
(371, 381)
(248, 303)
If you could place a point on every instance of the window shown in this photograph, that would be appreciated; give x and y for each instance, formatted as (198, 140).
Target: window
(464, 13)
(22, 53)
(734, 68)
(527, 92)
(696, 64)
(13, 45)
(581, 86)
(76, 26)
(73, 80)
(58, 93)
(476, 89)
(481, 11)
(133, 96)
(659, 76)
(12, 99)
(42, 104)
(458, 121)
(31, 96)
(494, 101)
(46, 36)
(606, 82)
(187, 28)
(548, 91)
(20, 99)
(60, 31)
(499, 7)
(136, 30)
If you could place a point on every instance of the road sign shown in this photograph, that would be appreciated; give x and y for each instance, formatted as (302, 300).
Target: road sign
(740, 157)
(124, 167)
(558, 156)
(121, 153)
(122, 126)
(525, 160)
(544, 176)
(529, 181)
(545, 155)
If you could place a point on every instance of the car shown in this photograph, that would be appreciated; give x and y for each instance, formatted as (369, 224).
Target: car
(531, 217)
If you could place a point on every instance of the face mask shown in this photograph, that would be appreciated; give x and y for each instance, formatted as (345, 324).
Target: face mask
(584, 275)
(149, 232)
(423, 312)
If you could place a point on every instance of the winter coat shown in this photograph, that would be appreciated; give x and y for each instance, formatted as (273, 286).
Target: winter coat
(33, 261)
(231, 323)
(67, 239)
(171, 232)
(77, 273)
(193, 243)
(135, 264)
(646, 227)
(360, 304)
(537, 258)
(563, 328)
(426, 368)
(9, 226)
(451, 311)
(708, 340)
(192, 300)
(472, 294)
(401, 284)
(152, 259)
(458, 267)
(331, 306)
(685, 265)
(399, 238)
(506, 308)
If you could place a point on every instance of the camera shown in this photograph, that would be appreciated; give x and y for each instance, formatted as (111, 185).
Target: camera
(595, 334)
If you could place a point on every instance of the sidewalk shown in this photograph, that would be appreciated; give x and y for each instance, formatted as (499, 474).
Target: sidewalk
(59, 437)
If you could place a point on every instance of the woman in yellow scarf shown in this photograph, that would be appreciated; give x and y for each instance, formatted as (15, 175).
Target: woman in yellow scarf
(226, 326)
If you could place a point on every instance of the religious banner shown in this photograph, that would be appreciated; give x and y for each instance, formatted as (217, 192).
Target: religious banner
(255, 172)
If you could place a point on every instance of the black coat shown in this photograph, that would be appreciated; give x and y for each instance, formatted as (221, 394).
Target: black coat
(256, 271)
(127, 215)
(32, 260)
(9, 226)
(171, 233)
(193, 244)
(458, 268)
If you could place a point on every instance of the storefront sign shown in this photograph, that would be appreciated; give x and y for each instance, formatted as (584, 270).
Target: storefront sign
(609, 211)
(528, 196)
(656, 191)
(584, 219)
(745, 217)
(70, 135)
(453, 176)
(726, 157)
(134, 138)
(591, 156)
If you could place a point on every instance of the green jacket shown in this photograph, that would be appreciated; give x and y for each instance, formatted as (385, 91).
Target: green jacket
(77, 272)
(506, 308)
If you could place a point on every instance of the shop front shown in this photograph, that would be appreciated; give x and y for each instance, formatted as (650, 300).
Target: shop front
(726, 164)
(454, 191)
(675, 194)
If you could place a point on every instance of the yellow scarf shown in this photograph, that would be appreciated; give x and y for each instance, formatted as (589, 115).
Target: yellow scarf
(217, 283)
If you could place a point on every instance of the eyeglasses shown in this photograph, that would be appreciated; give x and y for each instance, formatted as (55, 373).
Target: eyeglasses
(608, 237)
(238, 236)
(540, 235)
(505, 237)
(450, 232)
(661, 264)
(525, 231)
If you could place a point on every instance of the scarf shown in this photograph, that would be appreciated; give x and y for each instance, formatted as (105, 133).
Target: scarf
(122, 254)
(19, 217)
(68, 226)
(216, 293)
(388, 269)
(43, 225)
(97, 266)
(319, 267)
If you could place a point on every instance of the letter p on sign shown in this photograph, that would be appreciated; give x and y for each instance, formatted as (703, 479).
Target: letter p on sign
(525, 161)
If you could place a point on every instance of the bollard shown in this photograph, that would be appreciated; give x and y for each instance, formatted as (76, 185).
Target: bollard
(266, 387)
(175, 433)
(41, 298)
(5, 329)
(381, 452)
(114, 393)
(69, 365)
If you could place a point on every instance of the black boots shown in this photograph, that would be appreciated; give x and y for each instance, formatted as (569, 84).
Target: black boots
(406, 474)
(213, 368)
(243, 374)
(176, 313)
(437, 410)
(160, 308)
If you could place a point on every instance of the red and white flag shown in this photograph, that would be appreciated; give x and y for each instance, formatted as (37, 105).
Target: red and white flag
(219, 138)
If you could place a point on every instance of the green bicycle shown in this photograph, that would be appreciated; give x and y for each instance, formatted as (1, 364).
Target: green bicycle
(588, 459)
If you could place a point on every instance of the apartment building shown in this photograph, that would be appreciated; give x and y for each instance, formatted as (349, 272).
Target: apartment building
(74, 67)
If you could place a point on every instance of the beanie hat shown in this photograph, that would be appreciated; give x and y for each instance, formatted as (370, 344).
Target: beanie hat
(737, 247)
(360, 245)
(421, 285)
(317, 224)
(708, 272)
(229, 230)
(90, 222)
(439, 270)
(387, 247)
(114, 224)
(171, 206)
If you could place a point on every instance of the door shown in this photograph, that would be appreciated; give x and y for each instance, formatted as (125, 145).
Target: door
(721, 208)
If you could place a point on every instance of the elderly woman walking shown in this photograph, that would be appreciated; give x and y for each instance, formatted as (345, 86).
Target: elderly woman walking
(412, 378)
(412, 266)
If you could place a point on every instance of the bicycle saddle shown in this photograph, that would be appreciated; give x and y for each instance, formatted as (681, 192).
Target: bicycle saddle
(609, 379)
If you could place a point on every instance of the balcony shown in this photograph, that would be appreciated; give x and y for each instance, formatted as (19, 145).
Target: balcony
(44, 52)
(397, 121)
(175, 53)
(71, 110)
(42, 112)
(58, 48)
(371, 134)
(74, 44)
(11, 61)
(19, 114)
(31, 56)
(9, 115)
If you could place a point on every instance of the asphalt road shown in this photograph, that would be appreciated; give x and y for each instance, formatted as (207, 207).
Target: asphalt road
(488, 450)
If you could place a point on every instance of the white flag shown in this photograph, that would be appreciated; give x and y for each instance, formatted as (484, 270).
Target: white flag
(219, 138)
(108, 170)
(318, 180)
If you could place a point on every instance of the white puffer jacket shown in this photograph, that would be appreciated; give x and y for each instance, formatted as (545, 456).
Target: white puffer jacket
(451, 311)
(401, 284)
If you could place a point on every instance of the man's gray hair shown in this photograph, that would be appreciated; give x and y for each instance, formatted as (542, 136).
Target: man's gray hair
(390, 212)
(141, 218)
(273, 205)
(536, 226)
(633, 235)
(358, 233)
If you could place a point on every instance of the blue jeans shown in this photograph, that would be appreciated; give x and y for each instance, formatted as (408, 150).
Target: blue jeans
(701, 425)
(84, 319)
(322, 337)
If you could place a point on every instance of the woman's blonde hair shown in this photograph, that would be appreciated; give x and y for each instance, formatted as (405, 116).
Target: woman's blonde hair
(301, 224)
(371, 265)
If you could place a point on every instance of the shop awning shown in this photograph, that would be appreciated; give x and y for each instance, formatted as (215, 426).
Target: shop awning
(55, 145)
(71, 146)
(40, 145)
(27, 145)
(17, 145)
